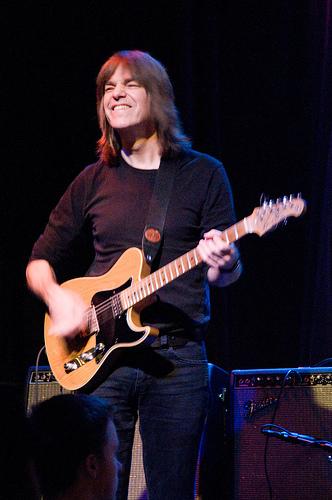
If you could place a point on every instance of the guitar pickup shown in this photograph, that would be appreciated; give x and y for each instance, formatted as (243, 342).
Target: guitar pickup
(85, 357)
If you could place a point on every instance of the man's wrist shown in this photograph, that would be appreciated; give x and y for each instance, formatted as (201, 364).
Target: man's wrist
(236, 265)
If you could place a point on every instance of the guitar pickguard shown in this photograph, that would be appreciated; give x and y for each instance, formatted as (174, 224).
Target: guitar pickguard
(113, 328)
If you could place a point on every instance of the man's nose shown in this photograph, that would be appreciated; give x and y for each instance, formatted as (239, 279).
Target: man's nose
(119, 90)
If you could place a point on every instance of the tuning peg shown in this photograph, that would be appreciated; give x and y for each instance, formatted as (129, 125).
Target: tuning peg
(263, 200)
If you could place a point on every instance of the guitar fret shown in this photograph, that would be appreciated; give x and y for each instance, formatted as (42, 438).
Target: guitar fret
(189, 263)
(141, 291)
(165, 274)
(157, 278)
(236, 233)
(174, 269)
(150, 283)
(226, 234)
(246, 226)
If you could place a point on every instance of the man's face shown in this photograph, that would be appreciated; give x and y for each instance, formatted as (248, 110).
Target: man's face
(126, 102)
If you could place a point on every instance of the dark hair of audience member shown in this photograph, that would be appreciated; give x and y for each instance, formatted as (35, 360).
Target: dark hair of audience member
(64, 430)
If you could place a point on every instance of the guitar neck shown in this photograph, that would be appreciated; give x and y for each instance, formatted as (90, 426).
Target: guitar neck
(166, 274)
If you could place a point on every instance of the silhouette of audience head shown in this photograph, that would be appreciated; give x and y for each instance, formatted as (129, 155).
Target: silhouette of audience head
(73, 447)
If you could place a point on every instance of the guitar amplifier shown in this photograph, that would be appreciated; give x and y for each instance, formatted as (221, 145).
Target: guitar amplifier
(299, 400)
(41, 385)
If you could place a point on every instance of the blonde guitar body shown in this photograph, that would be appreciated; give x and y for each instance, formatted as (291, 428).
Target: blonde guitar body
(114, 332)
(115, 299)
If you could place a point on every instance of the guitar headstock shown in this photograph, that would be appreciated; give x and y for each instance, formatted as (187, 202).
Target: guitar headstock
(271, 214)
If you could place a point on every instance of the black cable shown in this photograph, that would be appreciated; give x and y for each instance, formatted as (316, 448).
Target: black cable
(323, 362)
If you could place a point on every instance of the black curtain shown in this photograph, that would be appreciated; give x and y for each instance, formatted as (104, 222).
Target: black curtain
(317, 317)
(253, 86)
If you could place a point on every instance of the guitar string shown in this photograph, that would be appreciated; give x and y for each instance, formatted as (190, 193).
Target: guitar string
(115, 300)
(138, 287)
(106, 304)
(111, 301)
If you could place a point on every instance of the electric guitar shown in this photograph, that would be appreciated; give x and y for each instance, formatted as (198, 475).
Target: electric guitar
(115, 299)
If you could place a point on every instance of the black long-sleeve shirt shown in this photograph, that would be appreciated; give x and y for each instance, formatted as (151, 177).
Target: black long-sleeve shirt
(114, 202)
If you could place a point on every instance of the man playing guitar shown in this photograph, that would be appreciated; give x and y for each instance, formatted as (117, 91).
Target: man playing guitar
(163, 378)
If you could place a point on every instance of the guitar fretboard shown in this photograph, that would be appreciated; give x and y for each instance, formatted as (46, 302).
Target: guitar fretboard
(150, 284)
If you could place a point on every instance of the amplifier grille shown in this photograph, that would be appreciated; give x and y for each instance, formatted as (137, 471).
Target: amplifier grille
(41, 385)
(305, 407)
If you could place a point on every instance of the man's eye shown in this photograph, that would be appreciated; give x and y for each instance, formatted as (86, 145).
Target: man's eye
(108, 89)
(133, 84)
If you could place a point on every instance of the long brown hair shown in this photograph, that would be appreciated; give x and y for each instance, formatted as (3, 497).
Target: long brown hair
(152, 75)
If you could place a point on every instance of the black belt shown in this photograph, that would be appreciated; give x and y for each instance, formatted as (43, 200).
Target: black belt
(166, 341)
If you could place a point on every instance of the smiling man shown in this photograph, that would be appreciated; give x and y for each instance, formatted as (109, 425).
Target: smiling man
(165, 383)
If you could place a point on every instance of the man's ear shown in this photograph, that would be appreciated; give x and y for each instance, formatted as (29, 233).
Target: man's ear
(92, 465)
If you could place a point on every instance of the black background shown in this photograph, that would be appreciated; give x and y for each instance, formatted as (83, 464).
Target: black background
(243, 73)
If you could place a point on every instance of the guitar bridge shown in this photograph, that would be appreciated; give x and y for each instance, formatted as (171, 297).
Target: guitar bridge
(85, 357)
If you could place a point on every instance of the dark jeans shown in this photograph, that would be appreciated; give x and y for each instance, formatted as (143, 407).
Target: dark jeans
(172, 409)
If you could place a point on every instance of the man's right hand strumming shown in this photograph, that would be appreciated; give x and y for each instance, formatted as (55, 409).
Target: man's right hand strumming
(66, 308)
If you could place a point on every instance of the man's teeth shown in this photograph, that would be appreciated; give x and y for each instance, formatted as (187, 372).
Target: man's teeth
(121, 106)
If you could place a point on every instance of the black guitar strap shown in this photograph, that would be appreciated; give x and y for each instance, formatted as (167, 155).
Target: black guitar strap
(154, 228)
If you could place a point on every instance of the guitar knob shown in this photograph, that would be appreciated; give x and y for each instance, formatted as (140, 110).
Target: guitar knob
(70, 366)
(86, 356)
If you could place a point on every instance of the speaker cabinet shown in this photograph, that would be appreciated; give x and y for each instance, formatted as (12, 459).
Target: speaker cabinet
(137, 486)
(212, 469)
(264, 467)
(41, 385)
